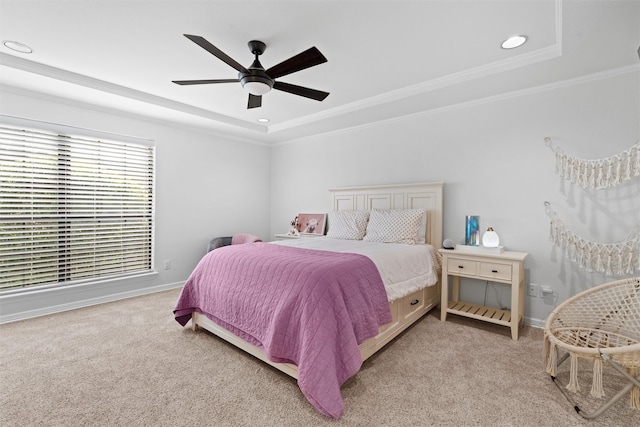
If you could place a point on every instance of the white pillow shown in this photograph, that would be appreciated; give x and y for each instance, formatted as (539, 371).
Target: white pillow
(394, 226)
(348, 225)
(422, 231)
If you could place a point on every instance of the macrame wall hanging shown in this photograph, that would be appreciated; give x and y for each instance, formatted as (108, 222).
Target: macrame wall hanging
(610, 258)
(601, 173)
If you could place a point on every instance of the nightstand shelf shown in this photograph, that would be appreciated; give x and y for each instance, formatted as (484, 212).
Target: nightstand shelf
(480, 312)
(506, 267)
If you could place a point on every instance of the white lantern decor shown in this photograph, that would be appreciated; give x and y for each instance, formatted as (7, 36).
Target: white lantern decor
(490, 238)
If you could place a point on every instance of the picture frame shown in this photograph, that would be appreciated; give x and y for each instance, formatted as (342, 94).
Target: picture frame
(312, 223)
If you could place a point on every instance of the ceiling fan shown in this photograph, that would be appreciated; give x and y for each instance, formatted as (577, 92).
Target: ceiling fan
(258, 81)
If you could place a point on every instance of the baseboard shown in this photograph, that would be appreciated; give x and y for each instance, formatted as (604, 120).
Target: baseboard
(58, 308)
(72, 305)
(534, 323)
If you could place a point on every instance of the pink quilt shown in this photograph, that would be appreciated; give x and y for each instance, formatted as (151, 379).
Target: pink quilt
(306, 307)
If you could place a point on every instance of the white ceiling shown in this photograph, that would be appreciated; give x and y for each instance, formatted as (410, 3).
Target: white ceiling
(385, 58)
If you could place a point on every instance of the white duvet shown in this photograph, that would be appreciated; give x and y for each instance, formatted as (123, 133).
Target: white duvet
(404, 268)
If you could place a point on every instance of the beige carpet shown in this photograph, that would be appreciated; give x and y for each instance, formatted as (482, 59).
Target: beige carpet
(129, 363)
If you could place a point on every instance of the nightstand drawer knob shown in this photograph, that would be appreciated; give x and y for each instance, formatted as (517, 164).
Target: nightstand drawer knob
(494, 271)
(461, 266)
(414, 302)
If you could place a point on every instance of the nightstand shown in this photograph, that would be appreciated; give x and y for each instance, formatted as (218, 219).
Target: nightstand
(506, 267)
(285, 236)
(301, 236)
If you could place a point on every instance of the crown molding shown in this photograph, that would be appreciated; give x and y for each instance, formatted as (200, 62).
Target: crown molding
(475, 73)
(115, 89)
(113, 111)
(602, 75)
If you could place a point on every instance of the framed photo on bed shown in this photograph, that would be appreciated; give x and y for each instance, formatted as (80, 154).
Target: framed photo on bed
(312, 223)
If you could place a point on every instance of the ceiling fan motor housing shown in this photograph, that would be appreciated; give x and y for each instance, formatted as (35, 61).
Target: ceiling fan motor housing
(256, 72)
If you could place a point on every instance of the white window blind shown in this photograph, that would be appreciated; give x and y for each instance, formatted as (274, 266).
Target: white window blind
(72, 207)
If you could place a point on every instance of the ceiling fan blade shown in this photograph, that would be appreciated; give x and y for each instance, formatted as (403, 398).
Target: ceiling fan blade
(255, 101)
(318, 95)
(203, 82)
(306, 59)
(203, 43)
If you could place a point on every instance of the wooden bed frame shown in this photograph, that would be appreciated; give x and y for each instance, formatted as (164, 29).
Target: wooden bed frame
(405, 311)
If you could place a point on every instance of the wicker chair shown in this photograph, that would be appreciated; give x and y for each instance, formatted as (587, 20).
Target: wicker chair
(601, 324)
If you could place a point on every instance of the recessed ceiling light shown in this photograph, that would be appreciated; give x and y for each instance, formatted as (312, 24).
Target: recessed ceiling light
(18, 47)
(513, 42)
(263, 120)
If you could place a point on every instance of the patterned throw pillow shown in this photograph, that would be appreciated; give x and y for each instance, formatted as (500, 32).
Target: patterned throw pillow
(394, 226)
(347, 225)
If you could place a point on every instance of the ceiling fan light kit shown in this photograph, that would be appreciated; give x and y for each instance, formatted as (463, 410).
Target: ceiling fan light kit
(255, 79)
(256, 85)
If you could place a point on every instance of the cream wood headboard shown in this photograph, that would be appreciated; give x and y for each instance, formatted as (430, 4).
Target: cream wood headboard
(427, 196)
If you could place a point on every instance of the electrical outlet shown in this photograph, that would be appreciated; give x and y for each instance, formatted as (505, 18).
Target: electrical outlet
(167, 264)
(532, 290)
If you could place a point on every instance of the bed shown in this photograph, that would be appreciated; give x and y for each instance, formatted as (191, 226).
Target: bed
(361, 301)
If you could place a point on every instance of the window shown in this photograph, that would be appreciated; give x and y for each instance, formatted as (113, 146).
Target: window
(72, 207)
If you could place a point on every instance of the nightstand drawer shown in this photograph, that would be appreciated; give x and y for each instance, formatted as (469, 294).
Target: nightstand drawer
(495, 270)
(462, 266)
